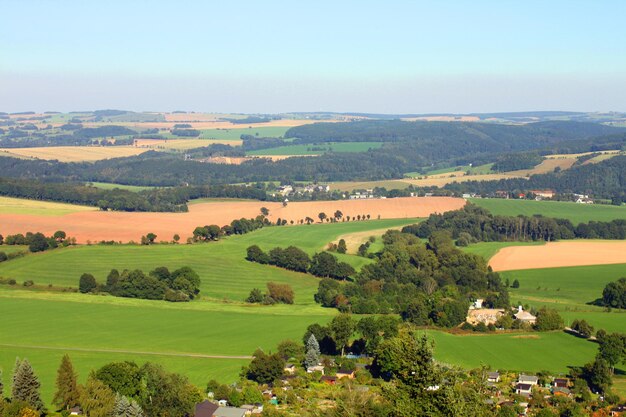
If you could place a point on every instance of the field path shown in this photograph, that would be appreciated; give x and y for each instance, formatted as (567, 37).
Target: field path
(124, 226)
(134, 352)
(558, 254)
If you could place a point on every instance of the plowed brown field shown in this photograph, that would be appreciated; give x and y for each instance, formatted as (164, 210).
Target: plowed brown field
(122, 226)
(556, 254)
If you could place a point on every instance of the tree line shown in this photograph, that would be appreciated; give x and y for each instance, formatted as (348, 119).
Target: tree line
(38, 242)
(476, 224)
(182, 284)
(322, 264)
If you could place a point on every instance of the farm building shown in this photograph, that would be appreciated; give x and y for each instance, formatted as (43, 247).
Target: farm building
(493, 376)
(524, 316)
(483, 315)
(344, 373)
(541, 194)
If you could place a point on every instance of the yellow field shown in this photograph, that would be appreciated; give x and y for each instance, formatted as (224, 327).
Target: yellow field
(9, 205)
(181, 144)
(74, 153)
(546, 166)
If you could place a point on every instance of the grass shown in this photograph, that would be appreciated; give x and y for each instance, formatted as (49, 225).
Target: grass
(576, 213)
(13, 248)
(95, 330)
(235, 134)
(530, 352)
(9, 205)
(316, 149)
(111, 186)
(221, 265)
(480, 169)
(569, 290)
(488, 249)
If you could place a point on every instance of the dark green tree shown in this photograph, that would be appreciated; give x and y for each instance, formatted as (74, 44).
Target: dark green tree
(38, 243)
(342, 327)
(87, 283)
(26, 386)
(341, 246)
(265, 368)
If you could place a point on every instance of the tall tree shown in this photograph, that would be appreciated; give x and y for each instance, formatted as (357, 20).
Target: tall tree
(97, 399)
(67, 394)
(26, 385)
(312, 357)
(342, 327)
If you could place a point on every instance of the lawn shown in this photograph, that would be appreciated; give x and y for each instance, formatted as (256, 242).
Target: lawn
(530, 352)
(316, 149)
(10, 205)
(576, 213)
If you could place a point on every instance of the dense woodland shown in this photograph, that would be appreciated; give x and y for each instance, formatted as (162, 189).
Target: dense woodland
(475, 224)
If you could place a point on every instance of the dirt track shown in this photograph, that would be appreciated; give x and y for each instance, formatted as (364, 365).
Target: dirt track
(556, 254)
(123, 226)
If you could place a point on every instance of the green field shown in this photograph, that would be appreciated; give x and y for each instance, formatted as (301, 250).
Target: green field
(10, 205)
(316, 149)
(569, 290)
(477, 170)
(530, 352)
(110, 186)
(576, 213)
(13, 248)
(98, 329)
(235, 134)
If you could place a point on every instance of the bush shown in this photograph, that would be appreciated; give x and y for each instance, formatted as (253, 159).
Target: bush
(87, 283)
(282, 293)
(3, 257)
(548, 319)
(29, 283)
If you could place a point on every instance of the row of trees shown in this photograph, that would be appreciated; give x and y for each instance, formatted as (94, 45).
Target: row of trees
(38, 242)
(473, 223)
(182, 284)
(322, 264)
(236, 227)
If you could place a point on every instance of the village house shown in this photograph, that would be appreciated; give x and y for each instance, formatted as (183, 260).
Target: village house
(583, 199)
(560, 382)
(541, 194)
(523, 389)
(205, 409)
(230, 412)
(329, 380)
(344, 373)
(528, 379)
(524, 316)
(493, 377)
(316, 368)
(289, 368)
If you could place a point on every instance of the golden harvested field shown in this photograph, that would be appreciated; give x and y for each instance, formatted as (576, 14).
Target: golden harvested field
(356, 239)
(547, 165)
(9, 205)
(181, 144)
(99, 225)
(74, 153)
(557, 254)
(442, 179)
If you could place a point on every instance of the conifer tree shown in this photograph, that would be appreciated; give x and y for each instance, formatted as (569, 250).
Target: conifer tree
(126, 408)
(67, 395)
(26, 385)
(312, 357)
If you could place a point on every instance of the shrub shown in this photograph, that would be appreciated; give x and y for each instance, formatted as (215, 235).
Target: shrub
(3, 257)
(87, 283)
(29, 283)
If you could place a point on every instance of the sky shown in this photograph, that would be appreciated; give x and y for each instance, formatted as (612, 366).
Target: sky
(282, 56)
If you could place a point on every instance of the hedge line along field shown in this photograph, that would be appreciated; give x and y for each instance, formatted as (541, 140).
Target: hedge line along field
(576, 213)
(222, 267)
(529, 352)
(310, 149)
(569, 290)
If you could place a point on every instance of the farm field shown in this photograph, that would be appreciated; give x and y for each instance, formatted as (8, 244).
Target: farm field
(13, 248)
(175, 144)
(364, 185)
(568, 290)
(126, 226)
(10, 206)
(576, 213)
(234, 133)
(75, 153)
(310, 149)
(216, 262)
(557, 254)
(111, 186)
(481, 169)
(530, 352)
(488, 249)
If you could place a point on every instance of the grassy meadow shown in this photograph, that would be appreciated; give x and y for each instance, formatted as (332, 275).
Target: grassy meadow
(111, 186)
(576, 213)
(10, 205)
(309, 149)
(235, 134)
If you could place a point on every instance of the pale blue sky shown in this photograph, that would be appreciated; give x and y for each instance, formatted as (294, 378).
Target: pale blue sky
(279, 56)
